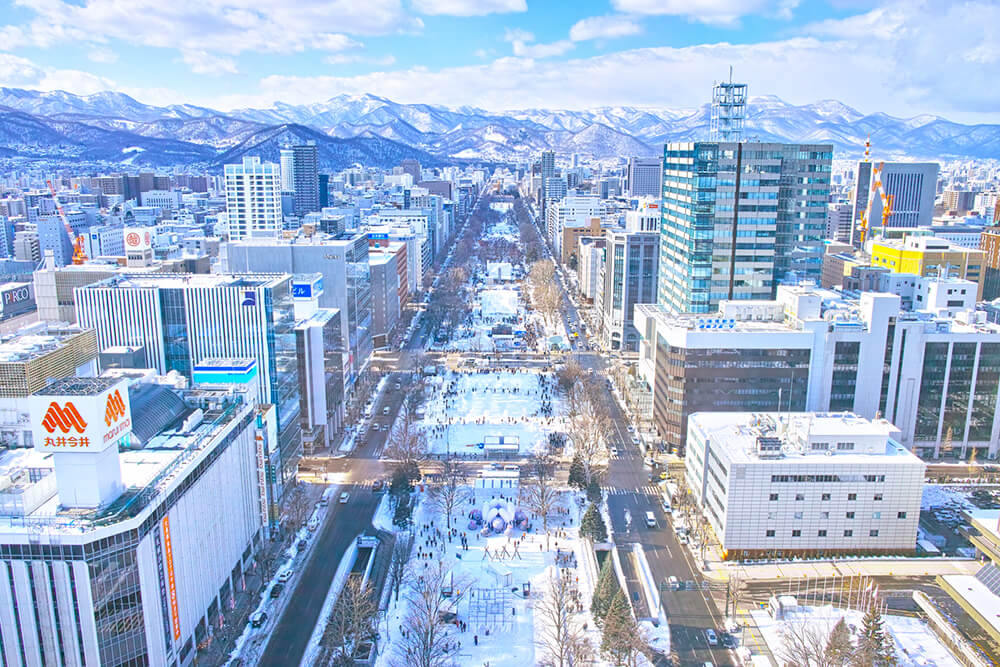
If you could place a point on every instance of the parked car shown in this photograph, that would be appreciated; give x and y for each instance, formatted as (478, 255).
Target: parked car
(258, 619)
(284, 576)
(276, 590)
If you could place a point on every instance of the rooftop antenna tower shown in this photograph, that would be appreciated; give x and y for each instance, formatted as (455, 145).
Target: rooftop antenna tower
(729, 107)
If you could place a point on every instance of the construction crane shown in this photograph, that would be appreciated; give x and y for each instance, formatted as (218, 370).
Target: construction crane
(79, 255)
(887, 200)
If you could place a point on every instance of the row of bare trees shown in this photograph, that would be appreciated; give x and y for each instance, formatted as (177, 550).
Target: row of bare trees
(546, 297)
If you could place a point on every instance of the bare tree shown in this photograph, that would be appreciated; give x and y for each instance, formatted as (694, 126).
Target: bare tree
(451, 492)
(803, 645)
(352, 621)
(539, 492)
(407, 441)
(397, 565)
(561, 638)
(426, 640)
(588, 424)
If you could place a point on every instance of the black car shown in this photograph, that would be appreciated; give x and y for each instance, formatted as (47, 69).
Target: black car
(276, 590)
(727, 640)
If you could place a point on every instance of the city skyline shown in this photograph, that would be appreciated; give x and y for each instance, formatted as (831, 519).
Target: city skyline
(505, 54)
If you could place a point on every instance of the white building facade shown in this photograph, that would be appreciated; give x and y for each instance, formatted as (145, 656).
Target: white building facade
(253, 199)
(804, 484)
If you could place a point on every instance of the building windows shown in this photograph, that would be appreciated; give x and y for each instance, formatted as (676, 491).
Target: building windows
(800, 496)
(849, 515)
(873, 532)
(774, 496)
(820, 446)
(848, 533)
(825, 496)
(877, 496)
(772, 515)
(798, 515)
(901, 515)
(796, 533)
(821, 533)
(824, 515)
(852, 496)
(769, 533)
(876, 515)
(845, 446)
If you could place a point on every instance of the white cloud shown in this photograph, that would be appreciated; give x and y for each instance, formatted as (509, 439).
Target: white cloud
(603, 27)
(716, 12)
(522, 43)
(201, 62)
(102, 54)
(22, 73)
(348, 58)
(229, 27)
(469, 7)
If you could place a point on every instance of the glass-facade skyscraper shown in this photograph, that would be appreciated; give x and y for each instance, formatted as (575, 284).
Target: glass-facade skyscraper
(711, 249)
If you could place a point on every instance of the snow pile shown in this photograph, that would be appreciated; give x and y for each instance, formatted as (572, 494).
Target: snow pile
(499, 303)
(916, 643)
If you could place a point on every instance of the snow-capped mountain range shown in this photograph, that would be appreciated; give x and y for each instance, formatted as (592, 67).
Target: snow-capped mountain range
(113, 127)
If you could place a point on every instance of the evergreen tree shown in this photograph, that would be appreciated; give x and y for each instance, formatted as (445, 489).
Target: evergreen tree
(577, 473)
(875, 646)
(401, 517)
(620, 641)
(592, 525)
(838, 646)
(594, 491)
(604, 591)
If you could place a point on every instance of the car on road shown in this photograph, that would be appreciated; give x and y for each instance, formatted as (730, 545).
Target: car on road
(377, 485)
(375, 426)
(682, 538)
(728, 641)
(630, 428)
(614, 451)
(284, 576)
(385, 410)
(276, 590)
(258, 619)
(344, 497)
(650, 520)
(675, 583)
(397, 386)
(713, 639)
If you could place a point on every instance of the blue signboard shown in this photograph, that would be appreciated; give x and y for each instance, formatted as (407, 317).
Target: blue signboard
(378, 237)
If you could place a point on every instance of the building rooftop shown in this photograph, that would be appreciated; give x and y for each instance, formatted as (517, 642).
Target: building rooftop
(147, 473)
(35, 341)
(76, 386)
(806, 438)
(184, 280)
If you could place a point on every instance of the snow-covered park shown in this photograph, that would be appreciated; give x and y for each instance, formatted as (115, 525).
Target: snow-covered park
(499, 580)
(464, 410)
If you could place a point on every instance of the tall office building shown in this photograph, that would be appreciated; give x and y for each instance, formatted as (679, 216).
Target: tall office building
(179, 321)
(287, 160)
(305, 178)
(711, 250)
(838, 222)
(912, 186)
(253, 199)
(548, 164)
(629, 278)
(644, 176)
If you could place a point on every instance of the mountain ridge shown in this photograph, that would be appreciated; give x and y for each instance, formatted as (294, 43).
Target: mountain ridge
(374, 127)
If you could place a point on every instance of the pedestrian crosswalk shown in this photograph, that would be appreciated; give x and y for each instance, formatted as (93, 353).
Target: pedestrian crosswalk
(651, 489)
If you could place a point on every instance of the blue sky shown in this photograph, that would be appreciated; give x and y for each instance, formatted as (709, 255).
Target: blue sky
(903, 57)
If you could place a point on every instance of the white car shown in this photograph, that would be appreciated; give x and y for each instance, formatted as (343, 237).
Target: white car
(713, 639)
(614, 451)
(284, 576)
(344, 497)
